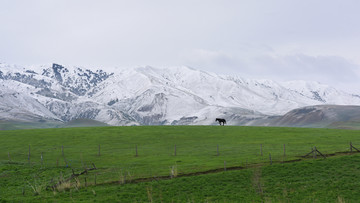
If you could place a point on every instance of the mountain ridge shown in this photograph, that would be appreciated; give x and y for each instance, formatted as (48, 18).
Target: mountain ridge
(153, 96)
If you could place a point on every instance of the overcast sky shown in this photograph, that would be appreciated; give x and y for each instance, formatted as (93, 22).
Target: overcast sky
(282, 40)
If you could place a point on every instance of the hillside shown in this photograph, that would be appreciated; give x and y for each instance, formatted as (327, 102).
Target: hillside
(350, 124)
(333, 116)
(152, 96)
(83, 123)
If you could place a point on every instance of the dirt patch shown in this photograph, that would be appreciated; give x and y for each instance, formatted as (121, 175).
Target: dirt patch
(291, 161)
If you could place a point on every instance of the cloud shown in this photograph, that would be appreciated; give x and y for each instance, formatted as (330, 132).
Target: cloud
(332, 70)
(279, 39)
(300, 66)
(203, 57)
(266, 64)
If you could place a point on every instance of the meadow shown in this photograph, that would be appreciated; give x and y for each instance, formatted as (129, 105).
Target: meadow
(177, 163)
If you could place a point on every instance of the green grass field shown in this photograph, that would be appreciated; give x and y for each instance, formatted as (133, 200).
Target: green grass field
(64, 150)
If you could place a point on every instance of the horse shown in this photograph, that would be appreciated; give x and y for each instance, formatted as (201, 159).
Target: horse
(221, 120)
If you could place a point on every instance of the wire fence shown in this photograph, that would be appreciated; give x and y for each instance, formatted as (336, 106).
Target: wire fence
(106, 155)
(136, 162)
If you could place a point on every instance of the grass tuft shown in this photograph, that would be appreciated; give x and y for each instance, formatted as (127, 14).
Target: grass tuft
(173, 171)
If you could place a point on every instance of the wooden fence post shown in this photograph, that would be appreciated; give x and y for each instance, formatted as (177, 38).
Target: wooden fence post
(29, 155)
(42, 160)
(270, 158)
(136, 151)
(284, 150)
(62, 153)
(315, 152)
(350, 147)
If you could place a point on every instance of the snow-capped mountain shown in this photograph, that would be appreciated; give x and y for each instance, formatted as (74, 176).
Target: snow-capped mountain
(151, 96)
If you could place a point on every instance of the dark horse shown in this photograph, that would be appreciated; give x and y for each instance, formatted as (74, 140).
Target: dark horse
(221, 120)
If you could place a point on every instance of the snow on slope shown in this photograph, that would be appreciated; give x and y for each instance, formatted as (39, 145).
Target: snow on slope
(148, 95)
(19, 106)
(322, 93)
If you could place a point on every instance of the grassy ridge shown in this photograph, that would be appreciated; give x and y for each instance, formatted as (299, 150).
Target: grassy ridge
(196, 151)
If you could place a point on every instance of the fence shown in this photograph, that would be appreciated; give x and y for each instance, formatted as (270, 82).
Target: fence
(103, 163)
(195, 156)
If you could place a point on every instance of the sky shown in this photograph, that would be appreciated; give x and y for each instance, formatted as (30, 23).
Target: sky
(282, 40)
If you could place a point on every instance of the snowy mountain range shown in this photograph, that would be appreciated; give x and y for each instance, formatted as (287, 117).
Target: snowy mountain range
(152, 96)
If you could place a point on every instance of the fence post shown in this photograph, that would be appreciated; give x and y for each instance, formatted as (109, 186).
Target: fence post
(29, 155)
(42, 159)
(312, 150)
(315, 152)
(63, 155)
(136, 151)
(270, 158)
(284, 151)
(261, 153)
(350, 147)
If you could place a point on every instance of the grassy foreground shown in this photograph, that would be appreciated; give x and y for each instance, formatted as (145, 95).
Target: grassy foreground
(74, 149)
